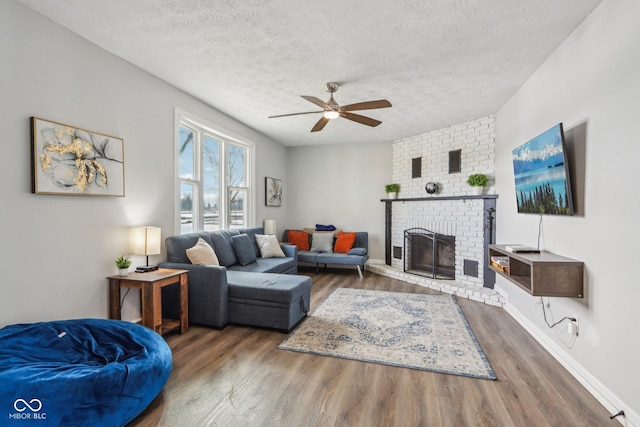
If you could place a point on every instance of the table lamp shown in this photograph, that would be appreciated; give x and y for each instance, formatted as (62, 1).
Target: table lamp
(270, 227)
(146, 241)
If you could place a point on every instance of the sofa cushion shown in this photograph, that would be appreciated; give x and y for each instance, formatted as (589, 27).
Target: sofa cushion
(202, 254)
(269, 246)
(362, 240)
(344, 242)
(298, 238)
(268, 265)
(333, 258)
(177, 246)
(280, 288)
(322, 242)
(357, 251)
(307, 256)
(222, 245)
(243, 248)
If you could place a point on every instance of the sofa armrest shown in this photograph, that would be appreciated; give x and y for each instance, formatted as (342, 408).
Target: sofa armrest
(290, 250)
(357, 251)
(208, 294)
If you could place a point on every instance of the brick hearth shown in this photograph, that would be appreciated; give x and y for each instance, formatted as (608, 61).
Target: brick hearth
(472, 292)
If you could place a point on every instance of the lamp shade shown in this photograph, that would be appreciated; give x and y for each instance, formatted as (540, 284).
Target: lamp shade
(146, 240)
(270, 226)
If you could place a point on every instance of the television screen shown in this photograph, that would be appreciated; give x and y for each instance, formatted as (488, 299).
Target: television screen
(542, 175)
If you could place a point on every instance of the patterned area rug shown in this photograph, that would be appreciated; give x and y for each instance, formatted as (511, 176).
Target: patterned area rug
(419, 331)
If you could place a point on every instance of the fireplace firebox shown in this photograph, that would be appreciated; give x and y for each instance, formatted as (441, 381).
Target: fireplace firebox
(430, 254)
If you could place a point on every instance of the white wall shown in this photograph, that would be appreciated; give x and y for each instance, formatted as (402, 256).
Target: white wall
(590, 83)
(340, 184)
(58, 250)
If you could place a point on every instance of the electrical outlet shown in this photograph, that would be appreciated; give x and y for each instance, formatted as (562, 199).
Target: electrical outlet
(573, 326)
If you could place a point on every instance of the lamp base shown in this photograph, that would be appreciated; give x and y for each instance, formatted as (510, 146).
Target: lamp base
(146, 268)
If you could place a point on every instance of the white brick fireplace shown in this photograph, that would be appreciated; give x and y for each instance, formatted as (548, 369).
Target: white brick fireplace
(463, 218)
(452, 211)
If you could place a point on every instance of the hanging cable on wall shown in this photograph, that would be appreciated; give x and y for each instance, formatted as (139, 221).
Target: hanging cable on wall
(539, 232)
(544, 312)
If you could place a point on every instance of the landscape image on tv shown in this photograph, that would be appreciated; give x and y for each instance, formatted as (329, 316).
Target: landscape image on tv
(541, 177)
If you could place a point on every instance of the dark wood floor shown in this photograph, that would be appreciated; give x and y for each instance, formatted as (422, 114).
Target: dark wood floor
(237, 377)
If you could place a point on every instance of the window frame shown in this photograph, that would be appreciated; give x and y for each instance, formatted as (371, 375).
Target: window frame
(201, 128)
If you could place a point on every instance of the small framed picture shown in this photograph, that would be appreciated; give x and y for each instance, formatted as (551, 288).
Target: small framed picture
(72, 161)
(272, 192)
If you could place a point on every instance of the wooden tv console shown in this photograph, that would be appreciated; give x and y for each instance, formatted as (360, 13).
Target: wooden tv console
(541, 274)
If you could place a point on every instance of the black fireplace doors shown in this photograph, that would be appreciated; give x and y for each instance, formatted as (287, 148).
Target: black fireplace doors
(430, 254)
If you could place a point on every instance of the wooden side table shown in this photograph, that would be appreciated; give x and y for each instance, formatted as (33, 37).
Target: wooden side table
(150, 285)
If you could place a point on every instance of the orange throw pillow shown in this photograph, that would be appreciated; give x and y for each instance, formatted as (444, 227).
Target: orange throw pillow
(298, 238)
(344, 242)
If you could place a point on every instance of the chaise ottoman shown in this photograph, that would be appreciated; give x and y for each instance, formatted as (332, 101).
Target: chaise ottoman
(268, 300)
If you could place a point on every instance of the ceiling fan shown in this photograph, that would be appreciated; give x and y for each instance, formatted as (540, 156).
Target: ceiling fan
(331, 110)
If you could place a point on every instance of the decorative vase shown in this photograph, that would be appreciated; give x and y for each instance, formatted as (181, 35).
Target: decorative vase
(392, 195)
(477, 190)
(123, 271)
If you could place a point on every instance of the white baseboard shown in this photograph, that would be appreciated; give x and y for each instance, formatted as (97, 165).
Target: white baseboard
(605, 396)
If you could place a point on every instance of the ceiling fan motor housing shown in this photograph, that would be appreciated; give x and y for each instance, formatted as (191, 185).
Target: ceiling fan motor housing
(331, 87)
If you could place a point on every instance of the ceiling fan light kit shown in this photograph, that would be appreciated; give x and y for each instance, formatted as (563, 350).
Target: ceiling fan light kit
(332, 110)
(331, 114)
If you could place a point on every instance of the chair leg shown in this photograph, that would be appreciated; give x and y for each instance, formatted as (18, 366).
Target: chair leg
(359, 271)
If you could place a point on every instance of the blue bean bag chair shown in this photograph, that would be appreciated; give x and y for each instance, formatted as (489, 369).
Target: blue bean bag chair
(83, 372)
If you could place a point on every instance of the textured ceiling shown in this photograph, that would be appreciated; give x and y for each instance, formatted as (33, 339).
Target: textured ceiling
(439, 62)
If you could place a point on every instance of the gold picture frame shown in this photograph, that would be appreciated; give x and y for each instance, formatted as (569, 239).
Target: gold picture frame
(68, 160)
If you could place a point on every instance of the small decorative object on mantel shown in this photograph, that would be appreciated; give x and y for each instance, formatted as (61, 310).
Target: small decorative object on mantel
(392, 190)
(431, 188)
(123, 265)
(477, 182)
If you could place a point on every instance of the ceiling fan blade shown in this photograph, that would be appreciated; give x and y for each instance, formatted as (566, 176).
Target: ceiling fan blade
(360, 119)
(320, 124)
(317, 101)
(296, 114)
(369, 105)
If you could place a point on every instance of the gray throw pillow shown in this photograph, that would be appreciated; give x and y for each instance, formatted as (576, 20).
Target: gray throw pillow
(322, 242)
(243, 247)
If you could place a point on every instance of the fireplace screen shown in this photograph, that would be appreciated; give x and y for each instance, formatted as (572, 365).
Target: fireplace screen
(429, 254)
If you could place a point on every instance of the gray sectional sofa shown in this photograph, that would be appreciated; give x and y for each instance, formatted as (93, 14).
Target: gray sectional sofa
(265, 293)
(356, 256)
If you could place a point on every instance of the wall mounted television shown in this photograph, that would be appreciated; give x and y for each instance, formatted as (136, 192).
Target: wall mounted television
(541, 173)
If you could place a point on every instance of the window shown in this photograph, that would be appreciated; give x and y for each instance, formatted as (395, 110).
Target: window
(214, 177)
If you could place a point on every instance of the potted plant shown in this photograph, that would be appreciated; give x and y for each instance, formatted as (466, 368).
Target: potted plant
(123, 265)
(477, 181)
(392, 190)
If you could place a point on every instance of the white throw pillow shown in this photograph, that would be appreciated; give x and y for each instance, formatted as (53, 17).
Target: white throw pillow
(322, 242)
(202, 254)
(269, 246)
